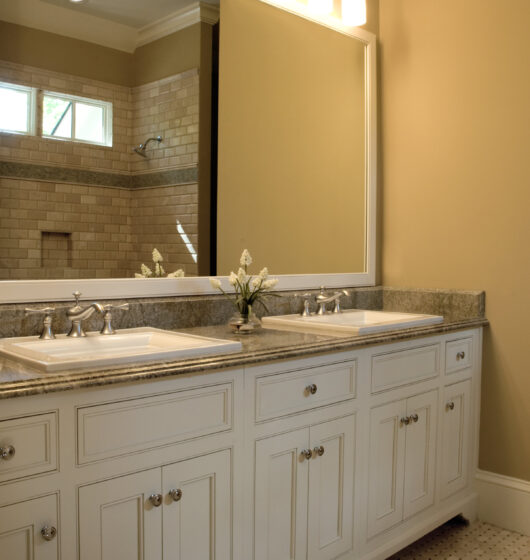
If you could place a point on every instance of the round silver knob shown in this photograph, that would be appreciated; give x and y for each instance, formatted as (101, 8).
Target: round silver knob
(319, 450)
(450, 406)
(306, 454)
(156, 499)
(175, 494)
(48, 533)
(460, 355)
(405, 421)
(7, 452)
(311, 389)
(414, 417)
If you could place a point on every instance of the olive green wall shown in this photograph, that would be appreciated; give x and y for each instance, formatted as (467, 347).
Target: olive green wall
(456, 184)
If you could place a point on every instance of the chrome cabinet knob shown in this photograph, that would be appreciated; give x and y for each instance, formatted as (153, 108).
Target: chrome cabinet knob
(306, 454)
(156, 499)
(450, 406)
(414, 417)
(460, 355)
(311, 389)
(48, 533)
(405, 421)
(319, 450)
(7, 452)
(175, 494)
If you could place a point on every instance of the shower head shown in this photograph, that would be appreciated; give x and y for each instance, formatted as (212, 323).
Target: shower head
(140, 150)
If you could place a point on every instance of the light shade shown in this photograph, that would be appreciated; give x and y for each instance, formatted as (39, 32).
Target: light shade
(320, 7)
(353, 12)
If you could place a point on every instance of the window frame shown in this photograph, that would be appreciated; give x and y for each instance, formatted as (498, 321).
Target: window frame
(31, 109)
(106, 106)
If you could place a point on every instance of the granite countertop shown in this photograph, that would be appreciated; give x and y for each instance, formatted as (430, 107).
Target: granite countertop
(17, 380)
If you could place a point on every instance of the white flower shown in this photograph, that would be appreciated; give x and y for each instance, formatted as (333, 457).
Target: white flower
(157, 257)
(242, 276)
(136, 275)
(159, 271)
(246, 259)
(177, 274)
(216, 283)
(233, 279)
(270, 283)
(146, 271)
(264, 273)
(257, 282)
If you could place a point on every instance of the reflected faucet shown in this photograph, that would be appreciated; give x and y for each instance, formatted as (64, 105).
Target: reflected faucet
(78, 313)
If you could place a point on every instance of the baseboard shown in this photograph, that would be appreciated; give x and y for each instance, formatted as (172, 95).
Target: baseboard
(504, 501)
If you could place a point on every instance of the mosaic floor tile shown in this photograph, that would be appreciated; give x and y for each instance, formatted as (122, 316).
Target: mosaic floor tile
(457, 540)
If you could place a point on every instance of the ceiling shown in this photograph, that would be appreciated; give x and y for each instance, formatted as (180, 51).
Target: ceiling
(133, 13)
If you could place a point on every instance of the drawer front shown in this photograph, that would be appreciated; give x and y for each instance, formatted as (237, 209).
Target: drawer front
(405, 366)
(28, 446)
(114, 429)
(290, 392)
(458, 355)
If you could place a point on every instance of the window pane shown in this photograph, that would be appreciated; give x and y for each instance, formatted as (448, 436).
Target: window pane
(13, 110)
(88, 123)
(57, 117)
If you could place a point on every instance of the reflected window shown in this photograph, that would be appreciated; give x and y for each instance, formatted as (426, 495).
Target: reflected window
(17, 107)
(75, 118)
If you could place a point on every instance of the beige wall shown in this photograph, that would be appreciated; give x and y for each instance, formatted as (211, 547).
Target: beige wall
(456, 176)
(159, 59)
(32, 47)
(291, 143)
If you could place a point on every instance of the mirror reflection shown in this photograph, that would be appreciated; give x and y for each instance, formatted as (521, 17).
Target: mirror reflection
(112, 147)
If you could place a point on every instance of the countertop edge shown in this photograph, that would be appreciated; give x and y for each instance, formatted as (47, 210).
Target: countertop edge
(83, 380)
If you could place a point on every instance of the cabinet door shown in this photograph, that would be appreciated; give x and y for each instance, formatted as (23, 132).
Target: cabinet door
(420, 453)
(20, 530)
(197, 508)
(456, 417)
(386, 464)
(117, 519)
(280, 507)
(330, 526)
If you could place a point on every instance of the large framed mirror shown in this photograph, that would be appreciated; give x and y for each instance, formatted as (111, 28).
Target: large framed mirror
(286, 168)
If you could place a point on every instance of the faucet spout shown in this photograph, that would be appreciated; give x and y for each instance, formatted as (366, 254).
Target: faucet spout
(78, 313)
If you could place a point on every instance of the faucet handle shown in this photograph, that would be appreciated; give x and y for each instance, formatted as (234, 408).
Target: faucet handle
(307, 297)
(46, 333)
(77, 294)
(107, 318)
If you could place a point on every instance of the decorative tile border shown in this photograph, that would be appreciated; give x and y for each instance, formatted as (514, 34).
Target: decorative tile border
(30, 171)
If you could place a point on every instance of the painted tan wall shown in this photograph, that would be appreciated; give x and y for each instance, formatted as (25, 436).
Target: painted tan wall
(456, 175)
(159, 59)
(291, 143)
(32, 47)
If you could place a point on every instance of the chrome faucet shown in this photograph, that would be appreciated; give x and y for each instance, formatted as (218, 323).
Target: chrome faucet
(78, 313)
(322, 299)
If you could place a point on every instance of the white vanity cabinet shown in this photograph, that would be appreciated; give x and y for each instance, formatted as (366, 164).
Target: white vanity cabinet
(28, 530)
(176, 512)
(346, 455)
(402, 460)
(304, 492)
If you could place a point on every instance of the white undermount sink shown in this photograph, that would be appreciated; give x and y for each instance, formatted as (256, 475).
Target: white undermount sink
(350, 322)
(127, 346)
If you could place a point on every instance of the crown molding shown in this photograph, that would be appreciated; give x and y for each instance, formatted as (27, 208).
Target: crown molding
(198, 12)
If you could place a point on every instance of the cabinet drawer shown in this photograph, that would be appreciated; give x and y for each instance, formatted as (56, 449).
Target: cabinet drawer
(118, 428)
(290, 392)
(458, 354)
(29, 446)
(405, 366)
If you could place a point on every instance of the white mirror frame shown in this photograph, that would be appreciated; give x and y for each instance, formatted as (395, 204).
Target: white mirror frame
(15, 291)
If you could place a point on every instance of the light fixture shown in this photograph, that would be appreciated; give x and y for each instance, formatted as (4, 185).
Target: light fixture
(353, 12)
(78, 1)
(320, 7)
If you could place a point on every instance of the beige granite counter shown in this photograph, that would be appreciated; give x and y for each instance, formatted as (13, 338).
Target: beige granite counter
(265, 345)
